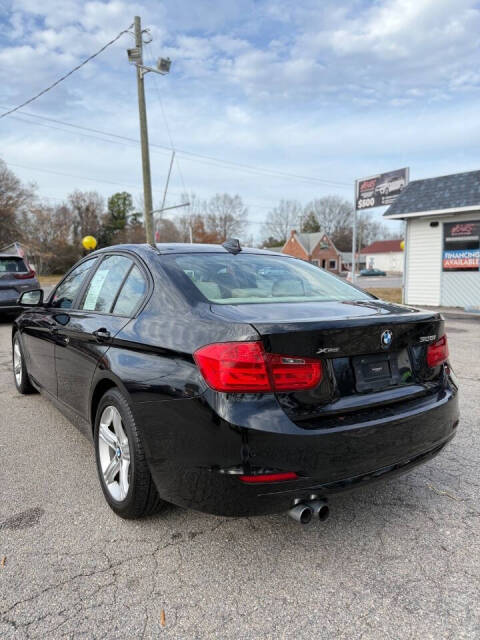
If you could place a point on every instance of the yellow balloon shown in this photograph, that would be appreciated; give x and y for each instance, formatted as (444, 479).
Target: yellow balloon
(89, 243)
(402, 245)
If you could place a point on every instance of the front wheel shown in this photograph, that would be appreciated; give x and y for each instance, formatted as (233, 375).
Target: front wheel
(124, 475)
(20, 375)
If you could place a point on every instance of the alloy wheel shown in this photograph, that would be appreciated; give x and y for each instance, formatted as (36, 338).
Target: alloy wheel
(17, 362)
(114, 453)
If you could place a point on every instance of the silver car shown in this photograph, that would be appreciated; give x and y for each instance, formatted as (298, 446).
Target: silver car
(16, 276)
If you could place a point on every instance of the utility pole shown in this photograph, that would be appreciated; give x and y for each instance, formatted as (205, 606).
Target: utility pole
(142, 112)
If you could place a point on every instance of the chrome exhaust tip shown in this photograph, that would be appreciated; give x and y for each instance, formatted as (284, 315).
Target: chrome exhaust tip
(320, 509)
(301, 513)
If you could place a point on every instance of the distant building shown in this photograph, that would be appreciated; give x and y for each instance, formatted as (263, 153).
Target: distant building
(442, 242)
(319, 249)
(386, 255)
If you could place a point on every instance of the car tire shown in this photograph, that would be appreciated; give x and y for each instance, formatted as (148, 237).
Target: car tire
(122, 468)
(20, 374)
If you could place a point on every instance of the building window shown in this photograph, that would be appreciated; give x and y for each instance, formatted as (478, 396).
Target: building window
(332, 264)
(316, 263)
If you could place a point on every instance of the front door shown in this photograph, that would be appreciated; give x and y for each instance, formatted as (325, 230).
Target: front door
(38, 338)
(39, 327)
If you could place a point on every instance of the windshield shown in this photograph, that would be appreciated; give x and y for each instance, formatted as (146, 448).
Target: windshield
(251, 278)
(12, 265)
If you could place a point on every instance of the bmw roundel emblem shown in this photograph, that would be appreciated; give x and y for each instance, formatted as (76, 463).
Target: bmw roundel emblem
(386, 338)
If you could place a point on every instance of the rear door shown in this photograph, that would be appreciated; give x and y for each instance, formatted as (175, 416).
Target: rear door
(104, 307)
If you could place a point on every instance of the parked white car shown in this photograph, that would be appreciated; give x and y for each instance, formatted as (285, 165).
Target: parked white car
(396, 183)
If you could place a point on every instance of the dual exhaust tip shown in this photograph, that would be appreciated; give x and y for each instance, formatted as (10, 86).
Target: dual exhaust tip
(304, 512)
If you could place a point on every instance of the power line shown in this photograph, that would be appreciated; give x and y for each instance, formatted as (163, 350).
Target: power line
(205, 159)
(117, 184)
(64, 77)
(70, 175)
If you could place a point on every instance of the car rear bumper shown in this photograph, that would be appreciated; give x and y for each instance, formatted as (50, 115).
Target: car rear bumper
(195, 456)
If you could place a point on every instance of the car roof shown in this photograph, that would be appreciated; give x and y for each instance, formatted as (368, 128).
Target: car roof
(165, 248)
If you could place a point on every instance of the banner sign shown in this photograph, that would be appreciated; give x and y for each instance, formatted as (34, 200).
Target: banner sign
(461, 246)
(380, 190)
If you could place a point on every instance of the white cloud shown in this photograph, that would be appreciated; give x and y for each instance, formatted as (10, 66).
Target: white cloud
(311, 88)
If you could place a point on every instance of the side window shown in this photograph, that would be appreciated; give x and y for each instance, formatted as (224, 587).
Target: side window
(106, 282)
(67, 290)
(132, 293)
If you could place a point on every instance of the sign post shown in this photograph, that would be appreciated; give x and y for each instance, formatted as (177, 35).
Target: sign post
(354, 235)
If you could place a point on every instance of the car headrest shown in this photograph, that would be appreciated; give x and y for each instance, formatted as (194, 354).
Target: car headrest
(210, 290)
(290, 287)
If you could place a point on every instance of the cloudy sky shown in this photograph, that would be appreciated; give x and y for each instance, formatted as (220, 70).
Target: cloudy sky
(266, 98)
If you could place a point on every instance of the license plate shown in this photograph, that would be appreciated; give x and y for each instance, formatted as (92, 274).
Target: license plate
(8, 294)
(375, 372)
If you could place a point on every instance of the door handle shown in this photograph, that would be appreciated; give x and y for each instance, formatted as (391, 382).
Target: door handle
(101, 334)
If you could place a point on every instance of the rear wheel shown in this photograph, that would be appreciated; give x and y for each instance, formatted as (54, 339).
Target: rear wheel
(124, 475)
(20, 374)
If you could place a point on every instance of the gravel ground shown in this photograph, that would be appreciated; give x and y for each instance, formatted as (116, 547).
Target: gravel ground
(397, 560)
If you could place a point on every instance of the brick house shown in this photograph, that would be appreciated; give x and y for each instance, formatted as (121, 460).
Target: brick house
(318, 249)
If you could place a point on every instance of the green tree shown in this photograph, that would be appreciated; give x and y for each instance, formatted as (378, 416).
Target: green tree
(310, 223)
(120, 206)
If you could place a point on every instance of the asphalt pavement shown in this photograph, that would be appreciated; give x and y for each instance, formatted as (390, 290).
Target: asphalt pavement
(379, 282)
(396, 560)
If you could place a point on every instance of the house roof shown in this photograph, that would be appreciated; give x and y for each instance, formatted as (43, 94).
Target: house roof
(439, 195)
(383, 246)
(309, 240)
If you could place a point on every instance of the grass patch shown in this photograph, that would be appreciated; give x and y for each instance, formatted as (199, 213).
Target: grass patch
(46, 281)
(392, 294)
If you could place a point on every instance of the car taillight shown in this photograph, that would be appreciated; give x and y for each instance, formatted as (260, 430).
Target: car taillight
(437, 353)
(23, 276)
(245, 367)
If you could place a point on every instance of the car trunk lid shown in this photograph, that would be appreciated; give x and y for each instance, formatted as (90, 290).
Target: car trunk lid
(373, 353)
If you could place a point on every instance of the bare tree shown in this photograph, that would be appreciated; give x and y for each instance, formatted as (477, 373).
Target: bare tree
(48, 233)
(167, 231)
(331, 212)
(226, 217)
(88, 208)
(283, 219)
(15, 200)
(191, 223)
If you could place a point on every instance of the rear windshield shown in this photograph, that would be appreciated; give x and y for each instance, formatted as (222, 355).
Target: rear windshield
(250, 278)
(12, 265)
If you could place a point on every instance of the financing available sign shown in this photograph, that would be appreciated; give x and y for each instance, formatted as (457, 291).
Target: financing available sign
(461, 246)
(380, 190)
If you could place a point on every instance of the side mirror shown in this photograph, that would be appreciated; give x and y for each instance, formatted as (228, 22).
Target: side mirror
(33, 298)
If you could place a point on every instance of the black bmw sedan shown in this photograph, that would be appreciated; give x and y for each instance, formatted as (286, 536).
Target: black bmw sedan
(234, 381)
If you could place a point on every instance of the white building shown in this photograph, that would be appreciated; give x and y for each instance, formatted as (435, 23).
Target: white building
(442, 242)
(386, 255)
